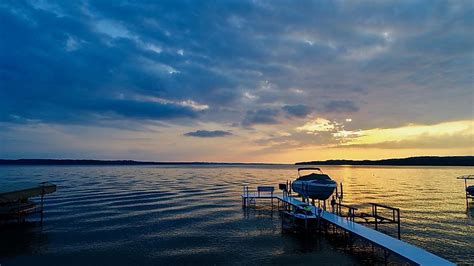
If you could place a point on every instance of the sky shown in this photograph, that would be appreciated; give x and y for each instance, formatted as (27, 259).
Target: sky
(236, 81)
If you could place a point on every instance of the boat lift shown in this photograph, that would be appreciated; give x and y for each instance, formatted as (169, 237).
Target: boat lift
(468, 189)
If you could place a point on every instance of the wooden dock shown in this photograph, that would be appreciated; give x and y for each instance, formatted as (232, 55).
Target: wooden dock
(15, 203)
(408, 252)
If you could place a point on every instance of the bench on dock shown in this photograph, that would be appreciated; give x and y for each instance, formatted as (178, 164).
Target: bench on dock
(263, 192)
(265, 189)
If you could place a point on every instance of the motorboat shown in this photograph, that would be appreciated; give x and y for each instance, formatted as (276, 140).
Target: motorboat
(315, 185)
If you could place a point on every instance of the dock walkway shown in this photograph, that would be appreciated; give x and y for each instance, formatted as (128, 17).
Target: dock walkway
(407, 251)
(15, 203)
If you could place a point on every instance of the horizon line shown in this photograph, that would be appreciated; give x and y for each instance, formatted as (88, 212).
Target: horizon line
(460, 160)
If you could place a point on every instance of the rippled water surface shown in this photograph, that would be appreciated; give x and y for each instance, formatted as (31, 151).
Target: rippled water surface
(186, 215)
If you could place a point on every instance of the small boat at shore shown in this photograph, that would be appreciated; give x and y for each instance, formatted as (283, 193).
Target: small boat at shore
(315, 185)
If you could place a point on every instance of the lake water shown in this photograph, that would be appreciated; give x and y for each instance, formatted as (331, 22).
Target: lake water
(192, 215)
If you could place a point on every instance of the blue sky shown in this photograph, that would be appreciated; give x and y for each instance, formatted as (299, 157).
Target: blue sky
(275, 81)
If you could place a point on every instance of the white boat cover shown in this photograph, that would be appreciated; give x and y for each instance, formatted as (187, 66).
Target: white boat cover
(16, 191)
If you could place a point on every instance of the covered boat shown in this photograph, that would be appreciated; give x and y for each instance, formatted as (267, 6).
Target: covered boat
(470, 190)
(315, 185)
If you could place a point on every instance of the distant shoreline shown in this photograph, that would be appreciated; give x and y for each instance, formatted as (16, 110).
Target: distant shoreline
(411, 161)
(109, 162)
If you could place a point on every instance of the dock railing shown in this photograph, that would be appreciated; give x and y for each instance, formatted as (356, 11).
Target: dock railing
(338, 207)
(468, 194)
(379, 215)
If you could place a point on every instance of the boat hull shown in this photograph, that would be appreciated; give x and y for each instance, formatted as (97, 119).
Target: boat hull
(314, 190)
(470, 190)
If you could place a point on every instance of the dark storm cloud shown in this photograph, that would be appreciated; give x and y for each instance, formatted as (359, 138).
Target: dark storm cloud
(297, 110)
(88, 61)
(63, 69)
(266, 116)
(208, 133)
(340, 106)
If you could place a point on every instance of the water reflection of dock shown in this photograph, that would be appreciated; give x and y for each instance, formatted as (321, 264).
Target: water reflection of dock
(334, 221)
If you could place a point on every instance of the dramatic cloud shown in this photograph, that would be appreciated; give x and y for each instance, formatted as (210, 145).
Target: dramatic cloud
(208, 133)
(171, 66)
(298, 110)
(344, 106)
(261, 116)
(318, 125)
